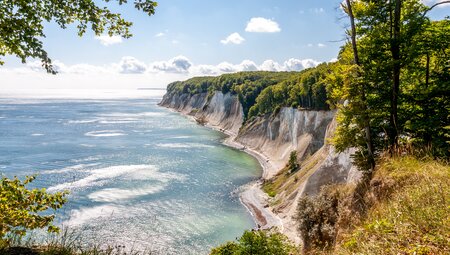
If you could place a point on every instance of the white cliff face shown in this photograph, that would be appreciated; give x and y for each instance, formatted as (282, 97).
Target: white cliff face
(220, 111)
(272, 138)
(277, 136)
(224, 112)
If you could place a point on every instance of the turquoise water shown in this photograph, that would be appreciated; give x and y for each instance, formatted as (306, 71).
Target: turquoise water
(139, 175)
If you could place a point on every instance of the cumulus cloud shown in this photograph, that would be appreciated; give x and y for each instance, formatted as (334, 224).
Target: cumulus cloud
(270, 65)
(299, 64)
(107, 40)
(226, 67)
(321, 45)
(179, 64)
(247, 65)
(234, 38)
(161, 34)
(131, 65)
(262, 25)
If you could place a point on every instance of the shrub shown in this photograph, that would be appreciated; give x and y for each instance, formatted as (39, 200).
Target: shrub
(23, 209)
(317, 218)
(257, 242)
(293, 164)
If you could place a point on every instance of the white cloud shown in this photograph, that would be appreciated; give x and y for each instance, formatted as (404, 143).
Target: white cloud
(226, 67)
(131, 65)
(107, 40)
(321, 45)
(247, 65)
(160, 34)
(262, 25)
(299, 64)
(234, 38)
(270, 65)
(179, 64)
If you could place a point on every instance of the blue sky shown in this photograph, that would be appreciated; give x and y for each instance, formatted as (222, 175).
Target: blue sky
(188, 38)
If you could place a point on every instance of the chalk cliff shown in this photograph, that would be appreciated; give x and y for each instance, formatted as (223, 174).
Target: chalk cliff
(272, 138)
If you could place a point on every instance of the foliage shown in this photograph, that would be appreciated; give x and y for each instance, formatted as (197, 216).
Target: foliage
(293, 163)
(22, 23)
(419, 112)
(264, 92)
(23, 209)
(257, 242)
(317, 218)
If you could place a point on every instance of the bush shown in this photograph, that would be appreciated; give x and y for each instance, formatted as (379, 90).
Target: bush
(317, 218)
(257, 242)
(22, 209)
(293, 164)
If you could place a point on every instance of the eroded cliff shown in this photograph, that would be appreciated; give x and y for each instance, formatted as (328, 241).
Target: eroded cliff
(273, 137)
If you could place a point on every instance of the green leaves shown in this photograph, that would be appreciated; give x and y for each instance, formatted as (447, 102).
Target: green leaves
(22, 209)
(22, 23)
(257, 242)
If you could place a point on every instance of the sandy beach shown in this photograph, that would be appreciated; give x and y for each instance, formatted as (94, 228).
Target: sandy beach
(251, 195)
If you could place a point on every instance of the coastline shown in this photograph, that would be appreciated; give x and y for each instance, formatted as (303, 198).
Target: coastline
(254, 199)
(252, 195)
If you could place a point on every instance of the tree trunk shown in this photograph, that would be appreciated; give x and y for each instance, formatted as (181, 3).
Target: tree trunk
(367, 129)
(395, 51)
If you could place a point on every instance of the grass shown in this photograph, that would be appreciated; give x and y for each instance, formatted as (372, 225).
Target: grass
(65, 243)
(410, 213)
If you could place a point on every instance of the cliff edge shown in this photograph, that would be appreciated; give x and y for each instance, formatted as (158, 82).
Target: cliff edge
(271, 139)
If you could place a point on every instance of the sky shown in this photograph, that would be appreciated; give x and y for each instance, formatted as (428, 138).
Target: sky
(189, 38)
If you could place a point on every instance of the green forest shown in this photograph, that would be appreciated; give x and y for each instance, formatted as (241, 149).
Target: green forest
(413, 111)
(265, 92)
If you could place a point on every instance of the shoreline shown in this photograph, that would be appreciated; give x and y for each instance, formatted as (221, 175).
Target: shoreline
(252, 197)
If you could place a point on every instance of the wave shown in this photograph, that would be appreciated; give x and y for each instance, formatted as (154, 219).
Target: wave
(37, 134)
(90, 158)
(127, 114)
(129, 172)
(87, 145)
(183, 145)
(105, 133)
(82, 121)
(80, 167)
(114, 194)
(117, 118)
(182, 137)
(84, 215)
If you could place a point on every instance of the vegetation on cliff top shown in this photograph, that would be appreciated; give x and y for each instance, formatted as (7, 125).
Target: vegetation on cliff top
(264, 92)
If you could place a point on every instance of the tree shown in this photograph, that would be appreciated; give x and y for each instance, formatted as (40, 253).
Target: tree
(292, 163)
(257, 242)
(365, 114)
(391, 81)
(22, 23)
(23, 209)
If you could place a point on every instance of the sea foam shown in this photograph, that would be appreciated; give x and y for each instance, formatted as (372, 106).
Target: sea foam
(129, 172)
(105, 133)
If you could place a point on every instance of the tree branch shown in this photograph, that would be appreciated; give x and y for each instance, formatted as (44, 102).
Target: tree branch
(434, 5)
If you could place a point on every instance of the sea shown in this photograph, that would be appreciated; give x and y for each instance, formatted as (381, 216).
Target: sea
(140, 176)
